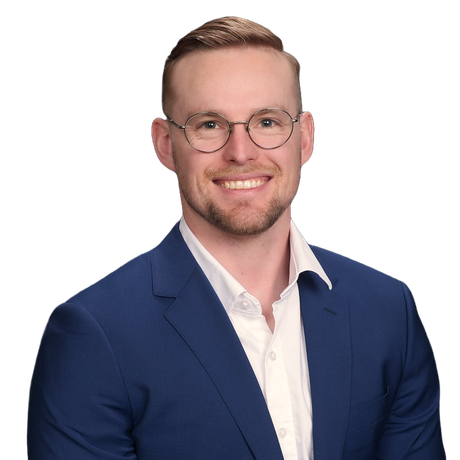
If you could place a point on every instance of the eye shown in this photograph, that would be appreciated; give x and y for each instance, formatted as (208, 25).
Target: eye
(205, 124)
(267, 123)
(209, 125)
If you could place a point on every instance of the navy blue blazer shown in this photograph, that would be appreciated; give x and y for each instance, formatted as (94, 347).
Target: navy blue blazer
(145, 365)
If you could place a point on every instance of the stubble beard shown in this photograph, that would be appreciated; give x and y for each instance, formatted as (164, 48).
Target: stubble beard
(242, 218)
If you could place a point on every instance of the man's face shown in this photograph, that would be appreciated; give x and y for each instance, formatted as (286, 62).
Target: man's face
(241, 188)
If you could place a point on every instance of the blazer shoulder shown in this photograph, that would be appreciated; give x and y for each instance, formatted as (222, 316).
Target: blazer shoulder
(378, 305)
(348, 273)
(131, 279)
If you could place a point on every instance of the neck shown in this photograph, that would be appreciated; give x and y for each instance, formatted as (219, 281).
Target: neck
(260, 263)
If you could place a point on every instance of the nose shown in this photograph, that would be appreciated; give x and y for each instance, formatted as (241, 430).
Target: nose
(240, 149)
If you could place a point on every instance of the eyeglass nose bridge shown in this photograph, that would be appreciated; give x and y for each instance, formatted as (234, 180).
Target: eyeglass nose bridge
(230, 130)
(231, 123)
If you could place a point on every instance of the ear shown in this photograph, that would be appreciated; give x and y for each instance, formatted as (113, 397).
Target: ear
(307, 133)
(162, 142)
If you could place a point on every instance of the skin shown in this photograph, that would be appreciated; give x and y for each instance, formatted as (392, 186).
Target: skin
(246, 230)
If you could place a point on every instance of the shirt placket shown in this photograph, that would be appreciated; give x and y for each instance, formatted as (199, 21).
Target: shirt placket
(277, 390)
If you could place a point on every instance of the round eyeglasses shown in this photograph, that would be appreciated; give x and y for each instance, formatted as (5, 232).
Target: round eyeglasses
(208, 132)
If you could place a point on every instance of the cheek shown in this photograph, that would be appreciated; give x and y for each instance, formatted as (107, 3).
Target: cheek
(291, 173)
(289, 162)
(190, 174)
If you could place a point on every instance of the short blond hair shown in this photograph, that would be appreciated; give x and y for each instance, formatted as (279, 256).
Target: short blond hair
(221, 33)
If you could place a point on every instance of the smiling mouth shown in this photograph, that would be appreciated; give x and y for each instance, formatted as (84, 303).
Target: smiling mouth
(242, 184)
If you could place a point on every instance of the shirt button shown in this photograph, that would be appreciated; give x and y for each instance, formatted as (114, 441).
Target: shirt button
(244, 304)
(272, 355)
(282, 432)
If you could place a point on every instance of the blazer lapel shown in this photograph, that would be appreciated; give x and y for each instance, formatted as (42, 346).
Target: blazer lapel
(327, 334)
(200, 319)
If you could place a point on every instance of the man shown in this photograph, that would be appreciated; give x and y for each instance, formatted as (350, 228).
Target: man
(233, 339)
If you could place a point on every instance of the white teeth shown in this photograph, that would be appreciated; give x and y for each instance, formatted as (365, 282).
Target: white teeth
(240, 184)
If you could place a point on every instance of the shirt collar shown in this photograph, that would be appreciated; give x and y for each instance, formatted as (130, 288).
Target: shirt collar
(303, 259)
(227, 287)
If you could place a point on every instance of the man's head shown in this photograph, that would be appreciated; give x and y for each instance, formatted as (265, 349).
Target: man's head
(244, 187)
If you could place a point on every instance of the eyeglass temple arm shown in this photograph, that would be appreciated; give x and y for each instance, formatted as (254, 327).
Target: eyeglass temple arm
(296, 119)
(174, 123)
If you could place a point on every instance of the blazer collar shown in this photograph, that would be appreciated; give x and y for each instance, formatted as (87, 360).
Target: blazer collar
(172, 265)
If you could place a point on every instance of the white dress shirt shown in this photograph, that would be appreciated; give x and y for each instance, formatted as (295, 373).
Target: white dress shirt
(279, 359)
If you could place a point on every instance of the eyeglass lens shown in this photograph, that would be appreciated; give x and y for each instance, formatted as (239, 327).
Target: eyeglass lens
(208, 132)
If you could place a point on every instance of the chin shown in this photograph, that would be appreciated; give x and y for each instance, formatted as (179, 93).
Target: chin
(244, 219)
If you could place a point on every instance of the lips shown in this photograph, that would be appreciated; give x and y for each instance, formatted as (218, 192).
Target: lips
(245, 177)
(242, 184)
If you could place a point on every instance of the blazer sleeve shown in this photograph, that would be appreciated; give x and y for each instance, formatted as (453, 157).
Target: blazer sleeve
(413, 431)
(79, 408)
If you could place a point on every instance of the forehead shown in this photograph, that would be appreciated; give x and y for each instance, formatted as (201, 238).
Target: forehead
(234, 81)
